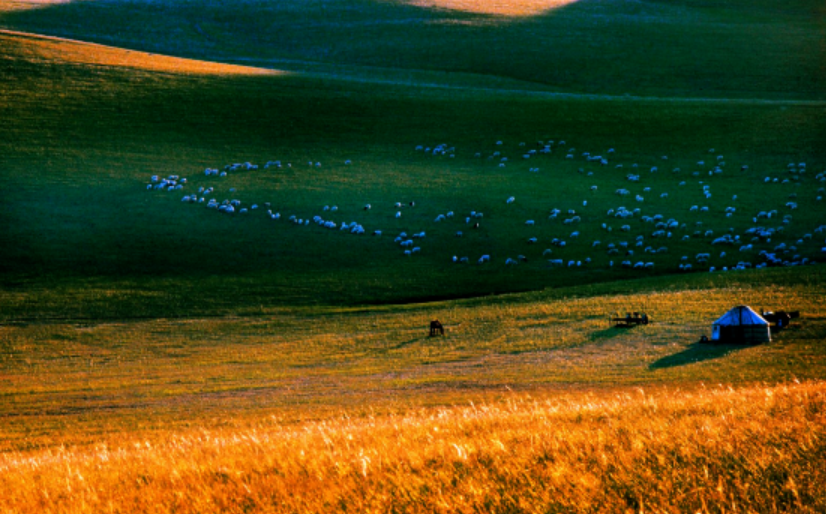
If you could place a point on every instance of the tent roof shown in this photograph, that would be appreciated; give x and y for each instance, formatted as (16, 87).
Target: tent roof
(741, 315)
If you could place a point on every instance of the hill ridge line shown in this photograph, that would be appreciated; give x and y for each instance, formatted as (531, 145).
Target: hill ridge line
(433, 85)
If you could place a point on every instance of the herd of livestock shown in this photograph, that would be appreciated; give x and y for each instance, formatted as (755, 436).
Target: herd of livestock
(631, 234)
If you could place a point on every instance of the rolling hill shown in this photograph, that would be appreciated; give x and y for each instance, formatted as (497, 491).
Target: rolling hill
(94, 124)
(225, 226)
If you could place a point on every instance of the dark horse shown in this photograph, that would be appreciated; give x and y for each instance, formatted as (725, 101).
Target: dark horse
(436, 328)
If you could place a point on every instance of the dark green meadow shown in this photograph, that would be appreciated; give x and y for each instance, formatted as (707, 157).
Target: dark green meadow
(85, 140)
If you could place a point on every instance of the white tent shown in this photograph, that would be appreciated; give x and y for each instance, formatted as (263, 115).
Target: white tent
(741, 325)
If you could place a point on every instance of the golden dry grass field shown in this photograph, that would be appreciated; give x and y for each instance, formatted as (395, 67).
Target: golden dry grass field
(706, 449)
(529, 403)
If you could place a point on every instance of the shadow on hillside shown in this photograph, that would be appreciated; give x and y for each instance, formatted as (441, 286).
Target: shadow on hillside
(405, 343)
(696, 353)
(608, 333)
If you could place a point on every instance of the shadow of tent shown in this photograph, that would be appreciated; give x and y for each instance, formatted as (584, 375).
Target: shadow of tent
(695, 353)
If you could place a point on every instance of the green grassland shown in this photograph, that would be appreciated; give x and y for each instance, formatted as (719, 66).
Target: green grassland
(85, 141)
(157, 354)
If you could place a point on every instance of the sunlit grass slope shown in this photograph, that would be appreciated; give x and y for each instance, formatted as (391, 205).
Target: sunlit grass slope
(22, 5)
(45, 50)
(502, 8)
(67, 382)
(726, 49)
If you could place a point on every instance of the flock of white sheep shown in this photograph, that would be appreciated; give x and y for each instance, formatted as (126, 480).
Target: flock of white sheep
(631, 236)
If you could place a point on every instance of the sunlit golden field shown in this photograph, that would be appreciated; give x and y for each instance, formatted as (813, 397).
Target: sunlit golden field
(529, 403)
(707, 449)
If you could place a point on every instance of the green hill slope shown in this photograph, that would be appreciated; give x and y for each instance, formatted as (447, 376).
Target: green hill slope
(695, 49)
(88, 136)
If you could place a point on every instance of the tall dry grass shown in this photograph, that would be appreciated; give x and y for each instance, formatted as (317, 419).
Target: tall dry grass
(719, 449)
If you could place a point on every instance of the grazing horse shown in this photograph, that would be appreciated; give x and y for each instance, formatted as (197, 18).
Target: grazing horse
(436, 328)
